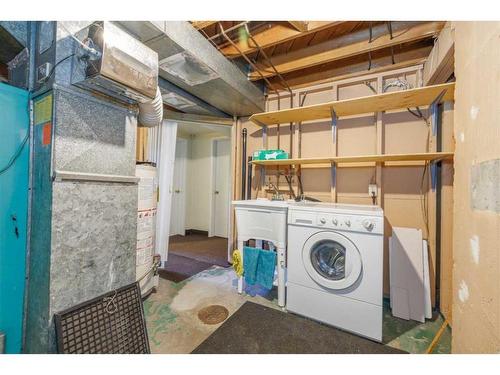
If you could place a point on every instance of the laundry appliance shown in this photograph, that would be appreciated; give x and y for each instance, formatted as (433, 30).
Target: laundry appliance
(335, 265)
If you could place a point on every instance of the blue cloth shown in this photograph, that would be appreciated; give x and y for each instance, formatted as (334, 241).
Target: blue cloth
(256, 290)
(250, 261)
(265, 268)
(259, 265)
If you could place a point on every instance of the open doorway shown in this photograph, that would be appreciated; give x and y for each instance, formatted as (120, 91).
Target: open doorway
(199, 223)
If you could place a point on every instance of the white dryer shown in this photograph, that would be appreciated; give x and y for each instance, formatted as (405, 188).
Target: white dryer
(335, 265)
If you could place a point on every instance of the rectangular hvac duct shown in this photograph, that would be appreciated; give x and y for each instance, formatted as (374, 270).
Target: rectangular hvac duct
(181, 100)
(190, 62)
(124, 67)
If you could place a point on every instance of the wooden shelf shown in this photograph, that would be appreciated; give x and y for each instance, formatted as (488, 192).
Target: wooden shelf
(421, 96)
(433, 156)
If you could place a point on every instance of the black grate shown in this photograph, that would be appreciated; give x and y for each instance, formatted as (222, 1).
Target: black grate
(111, 323)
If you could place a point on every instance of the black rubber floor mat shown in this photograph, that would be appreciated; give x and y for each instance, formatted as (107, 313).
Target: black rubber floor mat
(180, 268)
(211, 250)
(256, 329)
(111, 323)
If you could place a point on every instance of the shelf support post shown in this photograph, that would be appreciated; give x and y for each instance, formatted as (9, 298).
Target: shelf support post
(434, 112)
(264, 137)
(379, 146)
(433, 168)
(333, 175)
(333, 168)
(264, 132)
(436, 128)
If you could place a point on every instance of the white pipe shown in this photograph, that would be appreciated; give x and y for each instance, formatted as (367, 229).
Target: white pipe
(151, 112)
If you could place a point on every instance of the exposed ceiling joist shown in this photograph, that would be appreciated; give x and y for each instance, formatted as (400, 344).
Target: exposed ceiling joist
(440, 64)
(357, 72)
(276, 34)
(347, 46)
(300, 25)
(355, 67)
(202, 24)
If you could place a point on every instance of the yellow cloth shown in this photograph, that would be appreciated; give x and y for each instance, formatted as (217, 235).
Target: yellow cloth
(237, 262)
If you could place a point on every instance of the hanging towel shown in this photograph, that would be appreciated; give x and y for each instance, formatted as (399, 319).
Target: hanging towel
(250, 261)
(265, 268)
(259, 266)
(237, 264)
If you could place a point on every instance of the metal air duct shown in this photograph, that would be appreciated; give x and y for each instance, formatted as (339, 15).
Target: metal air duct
(192, 63)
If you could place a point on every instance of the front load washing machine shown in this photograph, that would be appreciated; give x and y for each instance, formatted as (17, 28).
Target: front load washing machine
(335, 265)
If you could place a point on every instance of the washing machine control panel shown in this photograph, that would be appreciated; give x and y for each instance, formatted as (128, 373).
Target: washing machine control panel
(355, 223)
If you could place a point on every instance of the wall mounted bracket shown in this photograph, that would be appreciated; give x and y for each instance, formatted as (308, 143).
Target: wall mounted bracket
(334, 125)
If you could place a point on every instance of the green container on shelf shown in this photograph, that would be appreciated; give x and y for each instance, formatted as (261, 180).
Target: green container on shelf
(270, 155)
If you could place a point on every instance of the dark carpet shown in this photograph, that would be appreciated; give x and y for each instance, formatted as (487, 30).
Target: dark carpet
(256, 329)
(212, 250)
(180, 268)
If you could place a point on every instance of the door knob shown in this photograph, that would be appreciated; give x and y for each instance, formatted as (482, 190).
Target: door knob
(216, 192)
(177, 191)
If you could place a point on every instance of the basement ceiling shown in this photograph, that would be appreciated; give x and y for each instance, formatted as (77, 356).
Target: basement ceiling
(189, 63)
(198, 129)
(298, 53)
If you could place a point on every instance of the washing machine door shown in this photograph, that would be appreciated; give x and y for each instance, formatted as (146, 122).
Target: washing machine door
(332, 260)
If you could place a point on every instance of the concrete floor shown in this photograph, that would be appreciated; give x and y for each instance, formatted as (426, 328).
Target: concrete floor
(174, 327)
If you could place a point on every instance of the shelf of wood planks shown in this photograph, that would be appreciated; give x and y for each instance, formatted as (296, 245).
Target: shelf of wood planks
(361, 160)
(411, 98)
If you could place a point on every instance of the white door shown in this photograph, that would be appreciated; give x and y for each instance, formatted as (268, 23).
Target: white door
(178, 216)
(221, 183)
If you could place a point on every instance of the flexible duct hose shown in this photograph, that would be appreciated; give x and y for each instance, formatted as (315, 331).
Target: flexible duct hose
(151, 112)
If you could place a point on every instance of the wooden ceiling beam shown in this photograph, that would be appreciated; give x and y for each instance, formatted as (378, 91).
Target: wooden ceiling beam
(348, 46)
(299, 25)
(198, 25)
(355, 67)
(276, 34)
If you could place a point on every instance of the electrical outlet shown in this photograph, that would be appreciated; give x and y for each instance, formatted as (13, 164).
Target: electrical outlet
(372, 190)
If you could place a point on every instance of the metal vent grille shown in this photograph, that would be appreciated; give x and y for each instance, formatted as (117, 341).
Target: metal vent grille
(111, 323)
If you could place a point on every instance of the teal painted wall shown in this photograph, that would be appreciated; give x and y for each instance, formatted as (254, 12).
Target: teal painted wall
(14, 126)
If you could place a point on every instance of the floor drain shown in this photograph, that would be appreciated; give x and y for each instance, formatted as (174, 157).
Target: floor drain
(213, 314)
